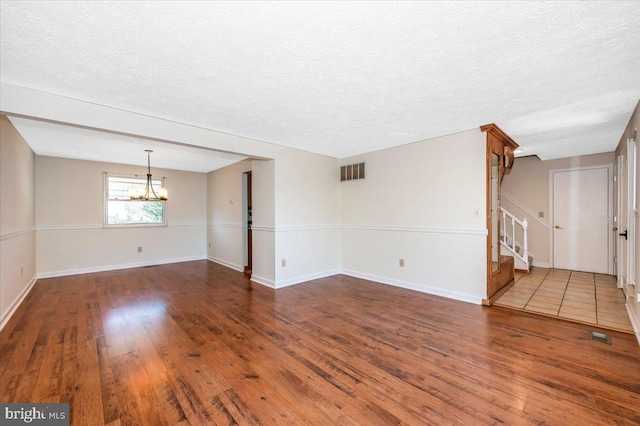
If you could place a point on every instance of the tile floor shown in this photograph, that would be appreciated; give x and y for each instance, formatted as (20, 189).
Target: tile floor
(576, 296)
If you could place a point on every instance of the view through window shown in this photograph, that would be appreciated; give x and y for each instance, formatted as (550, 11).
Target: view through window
(121, 210)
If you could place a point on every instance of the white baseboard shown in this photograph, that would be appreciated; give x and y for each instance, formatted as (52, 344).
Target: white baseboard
(541, 264)
(305, 278)
(6, 316)
(225, 263)
(79, 271)
(635, 321)
(263, 281)
(271, 283)
(463, 297)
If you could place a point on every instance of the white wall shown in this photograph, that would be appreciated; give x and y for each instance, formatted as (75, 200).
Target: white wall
(417, 203)
(224, 215)
(307, 207)
(296, 211)
(263, 210)
(69, 219)
(17, 219)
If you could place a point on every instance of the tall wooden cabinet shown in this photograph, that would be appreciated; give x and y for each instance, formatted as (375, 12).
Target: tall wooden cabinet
(500, 156)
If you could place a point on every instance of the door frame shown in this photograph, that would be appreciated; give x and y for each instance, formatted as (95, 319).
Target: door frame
(619, 264)
(611, 240)
(632, 206)
(628, 168)
(247, 222)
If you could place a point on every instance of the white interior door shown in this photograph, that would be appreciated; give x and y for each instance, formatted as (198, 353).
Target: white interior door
(581, 200)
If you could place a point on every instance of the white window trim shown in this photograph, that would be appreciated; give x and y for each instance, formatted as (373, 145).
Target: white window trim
(105, 204)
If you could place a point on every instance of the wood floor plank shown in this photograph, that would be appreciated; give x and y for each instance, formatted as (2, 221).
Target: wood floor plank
(125, 391)
(108, 392)
(197, 343)
(157, 386)
(86, 405)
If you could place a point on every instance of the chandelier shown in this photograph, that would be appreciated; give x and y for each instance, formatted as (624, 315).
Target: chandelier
(148, 194)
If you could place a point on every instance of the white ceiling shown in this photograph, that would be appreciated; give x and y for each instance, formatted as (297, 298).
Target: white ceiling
(336, 78)
(56, 140)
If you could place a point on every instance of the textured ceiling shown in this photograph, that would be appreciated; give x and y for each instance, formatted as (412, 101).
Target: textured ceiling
(342, 78)
(57, 140)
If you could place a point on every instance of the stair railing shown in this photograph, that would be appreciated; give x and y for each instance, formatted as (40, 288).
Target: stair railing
(511, 223)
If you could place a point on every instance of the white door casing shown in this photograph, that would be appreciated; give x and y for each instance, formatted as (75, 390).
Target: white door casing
(622, 218)
(581, 237)
(626, 213)
(631, 213)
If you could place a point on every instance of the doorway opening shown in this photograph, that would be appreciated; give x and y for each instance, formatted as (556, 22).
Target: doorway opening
(247, 220)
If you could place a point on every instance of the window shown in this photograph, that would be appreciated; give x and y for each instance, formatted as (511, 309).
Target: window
(121, 210)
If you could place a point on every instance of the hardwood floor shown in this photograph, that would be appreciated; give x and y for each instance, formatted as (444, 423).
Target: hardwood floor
(197, 343)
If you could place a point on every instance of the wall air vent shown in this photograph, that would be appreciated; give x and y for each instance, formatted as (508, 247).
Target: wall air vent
(352, 172)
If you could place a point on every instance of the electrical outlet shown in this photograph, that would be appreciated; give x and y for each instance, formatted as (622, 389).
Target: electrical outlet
(401, 263)
(209, 245)
(21, 270)
(283, 263)
(139, 249)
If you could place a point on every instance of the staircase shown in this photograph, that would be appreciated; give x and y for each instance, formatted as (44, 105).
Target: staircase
(513, 237)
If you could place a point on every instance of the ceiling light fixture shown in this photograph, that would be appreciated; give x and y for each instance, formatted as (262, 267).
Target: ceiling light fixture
(146, 195)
